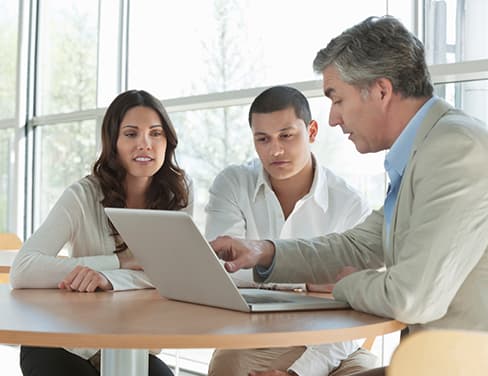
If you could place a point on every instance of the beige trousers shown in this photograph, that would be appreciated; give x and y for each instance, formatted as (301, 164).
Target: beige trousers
(241, 362)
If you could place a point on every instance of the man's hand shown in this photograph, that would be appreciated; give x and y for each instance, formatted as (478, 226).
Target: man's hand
(127, 261)
(243, 254)
(327, 287)
(84, 279)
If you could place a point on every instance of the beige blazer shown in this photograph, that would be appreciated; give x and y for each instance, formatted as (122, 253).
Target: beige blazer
(436, 265)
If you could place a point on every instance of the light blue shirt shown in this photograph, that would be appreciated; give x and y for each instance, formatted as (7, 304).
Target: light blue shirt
(397, 158)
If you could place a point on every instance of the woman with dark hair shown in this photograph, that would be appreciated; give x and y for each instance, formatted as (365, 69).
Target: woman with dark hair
(136, 169)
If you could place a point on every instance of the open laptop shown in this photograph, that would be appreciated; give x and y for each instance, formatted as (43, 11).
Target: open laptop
(183, 266)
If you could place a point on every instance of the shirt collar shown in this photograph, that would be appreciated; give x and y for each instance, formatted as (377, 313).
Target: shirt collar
(397, 158)
(318, 189)
(262, 182)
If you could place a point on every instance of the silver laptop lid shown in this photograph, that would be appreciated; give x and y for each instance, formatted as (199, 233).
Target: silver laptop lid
(177, 259)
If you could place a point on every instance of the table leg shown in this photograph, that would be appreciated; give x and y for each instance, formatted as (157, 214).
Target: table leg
(122, 362)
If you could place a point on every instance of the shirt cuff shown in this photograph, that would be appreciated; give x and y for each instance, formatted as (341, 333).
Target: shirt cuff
(263, 272)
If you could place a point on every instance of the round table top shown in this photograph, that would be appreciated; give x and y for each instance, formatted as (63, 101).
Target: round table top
(144, 319)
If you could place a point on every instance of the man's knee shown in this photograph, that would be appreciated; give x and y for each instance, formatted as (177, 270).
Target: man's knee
(359, 361)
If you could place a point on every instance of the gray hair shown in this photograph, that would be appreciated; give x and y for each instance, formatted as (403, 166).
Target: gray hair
(378, 47)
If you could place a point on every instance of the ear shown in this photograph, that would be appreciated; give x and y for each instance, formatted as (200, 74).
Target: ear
(313, 129)
(383, 91)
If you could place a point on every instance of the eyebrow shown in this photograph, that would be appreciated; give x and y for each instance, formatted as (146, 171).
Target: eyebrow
(136, 127)
(281, 130)
(328, 92)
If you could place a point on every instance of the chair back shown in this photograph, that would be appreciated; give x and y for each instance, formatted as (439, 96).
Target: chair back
(9, 240)
(441, 352)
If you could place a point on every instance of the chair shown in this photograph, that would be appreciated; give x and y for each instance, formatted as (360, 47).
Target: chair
(8, 241)
(441, 352)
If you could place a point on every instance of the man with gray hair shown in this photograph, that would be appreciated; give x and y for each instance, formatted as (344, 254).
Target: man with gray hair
(431, 235)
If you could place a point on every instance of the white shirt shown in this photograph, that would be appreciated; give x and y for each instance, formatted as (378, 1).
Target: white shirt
(243, 204)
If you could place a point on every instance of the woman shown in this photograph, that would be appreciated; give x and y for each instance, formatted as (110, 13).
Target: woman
(136, 169)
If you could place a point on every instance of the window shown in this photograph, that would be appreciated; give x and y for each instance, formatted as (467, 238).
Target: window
(227, 45)
(64, 153)
(455, 30)
(8, 57)
(6, 155)
(67, 57)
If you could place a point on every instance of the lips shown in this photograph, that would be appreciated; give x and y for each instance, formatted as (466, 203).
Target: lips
(144, 158)
(279, 163)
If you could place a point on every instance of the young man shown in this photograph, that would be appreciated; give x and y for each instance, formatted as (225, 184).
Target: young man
(284, 194)
(432, 233)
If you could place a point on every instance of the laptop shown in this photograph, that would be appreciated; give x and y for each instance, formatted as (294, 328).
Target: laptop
(182, 265)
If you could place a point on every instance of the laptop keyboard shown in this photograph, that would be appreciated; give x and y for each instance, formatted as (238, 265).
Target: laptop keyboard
(254, 299)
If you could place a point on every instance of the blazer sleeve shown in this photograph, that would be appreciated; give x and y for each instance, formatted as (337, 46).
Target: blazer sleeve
(320, 259)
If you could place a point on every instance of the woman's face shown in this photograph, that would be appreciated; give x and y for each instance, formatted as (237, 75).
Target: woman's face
(141, 143)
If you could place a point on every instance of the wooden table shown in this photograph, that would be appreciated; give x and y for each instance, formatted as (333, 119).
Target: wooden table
(141, 319)
(6, 260)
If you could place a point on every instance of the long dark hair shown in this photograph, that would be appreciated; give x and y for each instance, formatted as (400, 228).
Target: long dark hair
(168, 189)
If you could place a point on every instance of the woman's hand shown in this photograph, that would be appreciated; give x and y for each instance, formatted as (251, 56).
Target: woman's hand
(84, 279)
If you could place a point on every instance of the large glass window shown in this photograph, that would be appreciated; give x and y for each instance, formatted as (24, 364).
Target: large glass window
(9, 19)
(472, 97)
(64, 154)
(6, 162)
(210, 140)
(210, 46)
(365, 172)
(456, 30)
(67, 56)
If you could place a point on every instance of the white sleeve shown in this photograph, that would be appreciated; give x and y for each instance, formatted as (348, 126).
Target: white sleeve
(123, 279)
(224, 216)
(36, 264)
(358, 212)
(320, 360)
(191, 197)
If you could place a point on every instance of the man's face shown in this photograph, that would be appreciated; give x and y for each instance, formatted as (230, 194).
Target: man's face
(282, 142)
(357, 112)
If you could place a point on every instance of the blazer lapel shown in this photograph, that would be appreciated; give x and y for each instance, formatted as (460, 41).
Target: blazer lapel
(438, 110)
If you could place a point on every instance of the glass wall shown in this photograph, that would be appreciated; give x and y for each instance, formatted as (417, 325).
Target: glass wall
(6, 155)
(9, 21)
(231, 44)
(8, 57)
(67, 56)
(64, 153)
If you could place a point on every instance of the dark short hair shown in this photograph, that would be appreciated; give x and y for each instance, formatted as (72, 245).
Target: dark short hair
(378, 47)
(279, 98)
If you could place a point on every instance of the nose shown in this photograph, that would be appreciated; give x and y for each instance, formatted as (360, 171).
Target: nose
(144, 142)
(276, 148)
(334, 117)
